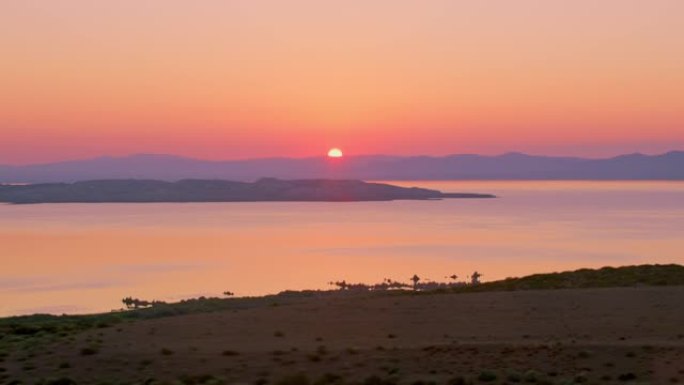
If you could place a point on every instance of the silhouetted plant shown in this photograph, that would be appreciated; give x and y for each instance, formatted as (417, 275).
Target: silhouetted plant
(415, 280)
(135, 303)
(475, 278)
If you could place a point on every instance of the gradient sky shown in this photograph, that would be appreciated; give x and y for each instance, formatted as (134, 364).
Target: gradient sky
(234, 79)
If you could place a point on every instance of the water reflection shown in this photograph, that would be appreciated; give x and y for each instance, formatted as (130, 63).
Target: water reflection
(82, 258)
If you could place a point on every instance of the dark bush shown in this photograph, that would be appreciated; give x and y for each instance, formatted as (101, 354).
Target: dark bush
(166, 352)
(458, 380)
(627, 377)
(296, 379)
(328, 379)
(487, 376)
(89, 351)
(376, 380)
(58, 381)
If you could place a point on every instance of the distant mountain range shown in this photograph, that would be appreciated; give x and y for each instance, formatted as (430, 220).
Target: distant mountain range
(668, 166)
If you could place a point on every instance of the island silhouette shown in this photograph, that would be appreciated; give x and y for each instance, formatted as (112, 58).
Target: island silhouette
(263, 190)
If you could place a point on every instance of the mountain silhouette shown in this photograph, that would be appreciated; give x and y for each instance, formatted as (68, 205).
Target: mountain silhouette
(668, 166)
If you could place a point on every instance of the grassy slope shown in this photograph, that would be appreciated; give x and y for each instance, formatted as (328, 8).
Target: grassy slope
(643, 275)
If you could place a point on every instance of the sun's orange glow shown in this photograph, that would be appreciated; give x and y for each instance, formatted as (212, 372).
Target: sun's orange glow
(335, 153)
(209, 80)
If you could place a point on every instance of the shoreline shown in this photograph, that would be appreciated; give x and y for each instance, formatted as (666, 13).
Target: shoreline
(570, 336)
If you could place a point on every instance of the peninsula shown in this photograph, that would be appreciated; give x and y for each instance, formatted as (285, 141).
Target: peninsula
(194, 190)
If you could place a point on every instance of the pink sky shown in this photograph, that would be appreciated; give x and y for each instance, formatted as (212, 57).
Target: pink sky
(236, 79)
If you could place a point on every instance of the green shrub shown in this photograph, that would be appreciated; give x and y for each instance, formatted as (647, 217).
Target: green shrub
(295, 379)
(487, 376)
(647, 275)
(514, 377)
(531, 376)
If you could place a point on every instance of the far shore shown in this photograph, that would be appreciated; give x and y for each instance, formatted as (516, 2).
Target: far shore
(200, 191)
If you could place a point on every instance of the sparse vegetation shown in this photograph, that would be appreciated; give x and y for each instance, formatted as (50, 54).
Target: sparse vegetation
(166, 352)
(39, 346)
(295, 379)
(487, 376)
(643, 275)
(376, 380)
(57, 381)
(648, 275)
(89, 351)
(514, 377)
(329, 379)
(458, 380)
(629, 376)
(203, 379)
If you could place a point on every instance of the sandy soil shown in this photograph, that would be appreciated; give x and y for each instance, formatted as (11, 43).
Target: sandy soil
(597, 336)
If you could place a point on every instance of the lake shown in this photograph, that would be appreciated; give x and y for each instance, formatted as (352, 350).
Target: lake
(79, 258)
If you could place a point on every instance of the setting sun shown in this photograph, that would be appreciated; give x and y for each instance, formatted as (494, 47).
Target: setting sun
(335, 153)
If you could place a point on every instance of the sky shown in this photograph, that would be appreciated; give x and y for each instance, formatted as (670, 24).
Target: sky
(258, 78)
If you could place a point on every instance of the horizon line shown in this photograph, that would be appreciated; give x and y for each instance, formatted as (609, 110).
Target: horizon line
(501, 154)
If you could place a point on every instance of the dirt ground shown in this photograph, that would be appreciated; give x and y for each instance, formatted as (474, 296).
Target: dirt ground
(594, 336)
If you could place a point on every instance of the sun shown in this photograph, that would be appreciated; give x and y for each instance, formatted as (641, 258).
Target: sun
(335, 153)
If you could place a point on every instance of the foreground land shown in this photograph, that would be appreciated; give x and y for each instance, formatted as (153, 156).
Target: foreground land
(579, 335)
(267, 189)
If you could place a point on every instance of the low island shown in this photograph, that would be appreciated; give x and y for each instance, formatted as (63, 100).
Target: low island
(195, 190)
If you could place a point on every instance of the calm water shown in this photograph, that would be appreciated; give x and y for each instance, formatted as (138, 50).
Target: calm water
(82, 258)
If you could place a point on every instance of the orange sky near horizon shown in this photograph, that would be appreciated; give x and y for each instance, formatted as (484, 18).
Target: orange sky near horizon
(252, 78)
